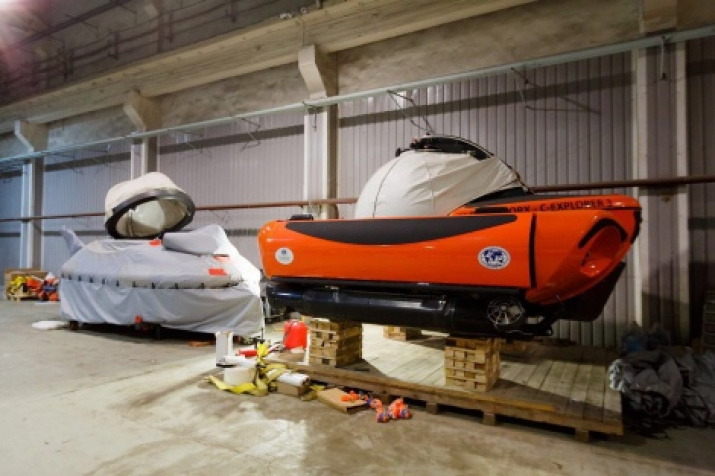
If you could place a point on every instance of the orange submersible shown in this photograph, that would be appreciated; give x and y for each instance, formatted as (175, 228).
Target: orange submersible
(446, 237)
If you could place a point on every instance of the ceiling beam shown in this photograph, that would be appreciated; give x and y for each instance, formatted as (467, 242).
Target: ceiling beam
(34, 136)
(144, 113)
(319, 72)
(658, 15)
(273, 43)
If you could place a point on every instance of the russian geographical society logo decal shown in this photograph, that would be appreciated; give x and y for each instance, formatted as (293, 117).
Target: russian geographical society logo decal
(494, 257)
(284, 255)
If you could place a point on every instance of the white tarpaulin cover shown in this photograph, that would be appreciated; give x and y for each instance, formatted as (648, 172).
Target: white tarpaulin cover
(429, 183)
(146, 206)
(211, 289)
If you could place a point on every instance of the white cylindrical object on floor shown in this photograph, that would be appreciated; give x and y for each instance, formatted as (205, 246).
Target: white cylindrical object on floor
(239, 360)
(224, 345)
(294, 379)
(238, 375)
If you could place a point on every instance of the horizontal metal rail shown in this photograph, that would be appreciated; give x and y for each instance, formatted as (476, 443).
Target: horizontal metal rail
(641, 183)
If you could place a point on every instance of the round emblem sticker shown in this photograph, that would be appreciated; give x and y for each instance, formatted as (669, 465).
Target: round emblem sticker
(284, 256)
(494, 257)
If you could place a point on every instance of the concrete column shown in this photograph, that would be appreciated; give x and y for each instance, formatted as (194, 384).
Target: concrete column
(320, 151)
(145, 114)
(320, 160)
(681, 199)
(34, 136)
(144, 156)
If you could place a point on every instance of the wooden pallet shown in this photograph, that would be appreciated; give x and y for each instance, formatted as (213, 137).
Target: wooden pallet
(334, 337)
(464, 369)
(471, 363)
(477, 356)
(21, 297)
(401, 333)
(339, 361)
(564, 386)
(352, 346)
(336, 326)
(483, 345)
(334, 343)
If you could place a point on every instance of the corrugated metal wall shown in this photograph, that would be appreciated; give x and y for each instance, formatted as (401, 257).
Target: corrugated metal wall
(701, 137)
(661, 228)
(78, 183)
(10, 207)
(569, 123)
(243, 162)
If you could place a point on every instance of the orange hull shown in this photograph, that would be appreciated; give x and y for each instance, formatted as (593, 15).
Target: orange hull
(518, 263)
(552, 249)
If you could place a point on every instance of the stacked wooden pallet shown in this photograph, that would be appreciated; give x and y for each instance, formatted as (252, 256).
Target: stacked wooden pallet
(17, 292)
(401, 333)
(335, 343)
(472, 364)
(565, 386)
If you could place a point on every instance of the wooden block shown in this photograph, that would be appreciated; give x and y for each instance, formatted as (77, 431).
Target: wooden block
(290, 390)
(200, 343)
(287, 356)
(455, 364)
(462, 364)
(22, 296)
(432, 408)
(12, 273)
(472, 384)
(489, 419)
(354, 341)
(335, 352)
(385, 398)
(401, 333)
(584, 436)
(326, 325)
(464, 343)
(480, 377)
(334, 336)
(333, 398)
(491, 361)
(335, 361)
(478, 356)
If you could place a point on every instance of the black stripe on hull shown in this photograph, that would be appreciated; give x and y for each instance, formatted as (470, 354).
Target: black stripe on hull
(394, 285)
(532, 252)
(398, 231)
(605, 223)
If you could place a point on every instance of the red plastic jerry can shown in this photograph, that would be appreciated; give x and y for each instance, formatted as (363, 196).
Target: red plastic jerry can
(295, 334)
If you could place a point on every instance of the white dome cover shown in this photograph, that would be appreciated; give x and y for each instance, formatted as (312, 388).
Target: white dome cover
(431, 183)
(146, 207)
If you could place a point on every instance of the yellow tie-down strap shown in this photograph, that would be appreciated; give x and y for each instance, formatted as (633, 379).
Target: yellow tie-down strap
(263, 380)
(15, 285)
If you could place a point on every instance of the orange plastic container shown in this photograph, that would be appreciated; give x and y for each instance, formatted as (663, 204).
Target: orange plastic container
(295, 334)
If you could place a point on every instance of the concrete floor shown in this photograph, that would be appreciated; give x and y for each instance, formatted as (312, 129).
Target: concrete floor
(105, 403)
